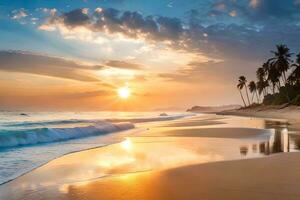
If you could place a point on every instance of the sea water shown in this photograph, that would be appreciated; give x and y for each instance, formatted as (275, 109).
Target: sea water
(28, 140)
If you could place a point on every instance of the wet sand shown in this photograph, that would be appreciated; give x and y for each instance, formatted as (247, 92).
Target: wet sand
(173, 160)
(266, 178)
(289, 113)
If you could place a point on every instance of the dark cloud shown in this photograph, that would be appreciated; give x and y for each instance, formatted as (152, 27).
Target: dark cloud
(275, 10)
(170, 27)
(16, 61)
(242, 41)
(131, 24)
(123, 64)
(258, 11)
(135, 21)
(76, 17)
(134, 25)
(233, 39)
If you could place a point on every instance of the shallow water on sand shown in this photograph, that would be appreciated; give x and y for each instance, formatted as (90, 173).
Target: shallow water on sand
(28, 140)
(159, 146)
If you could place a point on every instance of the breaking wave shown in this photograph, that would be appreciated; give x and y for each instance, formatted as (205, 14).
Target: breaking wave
(9, 138)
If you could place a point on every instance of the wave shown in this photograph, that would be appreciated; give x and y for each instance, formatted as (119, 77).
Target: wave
(50, 122)
(150, 119)
(17, 138)
(75, 121)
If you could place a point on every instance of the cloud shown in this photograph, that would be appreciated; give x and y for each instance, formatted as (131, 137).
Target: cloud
(233, 13)
(211, 72)
(254, 3)
(16, 61)
(87, 94)
(123, 64)
(112, 21)
(274, 10)
(259, 11)
(65, 96)
(229, 40)
(18, 14)
(78, 17)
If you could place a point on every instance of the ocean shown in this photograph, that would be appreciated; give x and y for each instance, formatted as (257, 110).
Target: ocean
(31, 139)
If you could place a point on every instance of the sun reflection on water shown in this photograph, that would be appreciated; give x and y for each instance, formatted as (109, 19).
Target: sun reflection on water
(126, 144)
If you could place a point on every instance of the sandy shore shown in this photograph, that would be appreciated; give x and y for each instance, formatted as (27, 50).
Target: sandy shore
(185, 159)
(291, 113)
(275, 177)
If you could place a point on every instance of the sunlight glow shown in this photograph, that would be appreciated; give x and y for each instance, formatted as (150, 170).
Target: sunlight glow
(126, 144)
(124, 92)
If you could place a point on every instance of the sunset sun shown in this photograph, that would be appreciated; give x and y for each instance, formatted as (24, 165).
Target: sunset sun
(124, 92)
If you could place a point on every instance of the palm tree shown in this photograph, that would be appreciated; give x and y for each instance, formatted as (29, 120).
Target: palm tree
(266, 86)
(294, 78)
(273, 77)
(261, 75)
(267, 67)
(281, 59)
(260, 86)
(242, 84)
(253, 89)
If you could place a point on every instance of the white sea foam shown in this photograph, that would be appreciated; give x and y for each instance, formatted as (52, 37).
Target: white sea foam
(46, 135)
(28, 141)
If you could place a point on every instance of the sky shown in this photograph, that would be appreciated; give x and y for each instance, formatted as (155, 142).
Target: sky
(171, 54)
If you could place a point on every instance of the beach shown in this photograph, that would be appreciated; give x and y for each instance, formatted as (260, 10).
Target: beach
(150, 100)
(198, 157)
(291, 113)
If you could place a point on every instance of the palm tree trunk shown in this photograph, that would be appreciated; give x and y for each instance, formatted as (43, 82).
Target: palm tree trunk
(283, 80)
(286, 91)
(257, 96)
(252, 98)
(284, 76)
(287, 94)
(247, 96)
(278, 87)
(270, 89)
(261, 98)
(242, 97)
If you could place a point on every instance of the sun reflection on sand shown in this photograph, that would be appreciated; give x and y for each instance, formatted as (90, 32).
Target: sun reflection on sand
(172, 145)
(115, 162)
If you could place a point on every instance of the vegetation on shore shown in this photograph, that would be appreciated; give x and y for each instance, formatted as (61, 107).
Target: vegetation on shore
(278, 81)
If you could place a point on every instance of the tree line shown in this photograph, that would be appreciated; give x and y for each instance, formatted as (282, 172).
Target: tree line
(278, 80)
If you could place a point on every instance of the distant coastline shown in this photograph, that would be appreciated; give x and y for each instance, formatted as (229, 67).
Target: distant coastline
(212, 109)
(287, 112)
(290, 113)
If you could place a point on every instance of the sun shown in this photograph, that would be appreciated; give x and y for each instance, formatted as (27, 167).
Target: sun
(124, 92)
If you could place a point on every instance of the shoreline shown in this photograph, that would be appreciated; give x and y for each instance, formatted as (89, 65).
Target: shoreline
(275, 112)
(217, 180)
(177, 173)
(116, 137)
(127, 133)
(291, 114)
